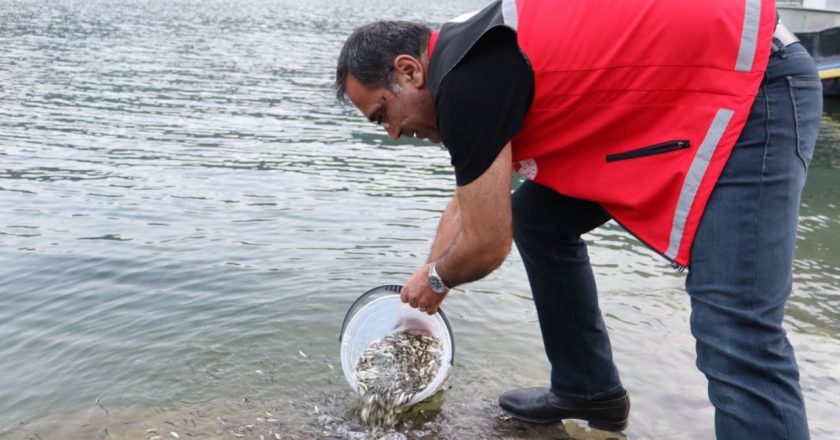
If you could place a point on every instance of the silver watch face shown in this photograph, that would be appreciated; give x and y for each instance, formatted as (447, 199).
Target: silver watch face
(437, 284)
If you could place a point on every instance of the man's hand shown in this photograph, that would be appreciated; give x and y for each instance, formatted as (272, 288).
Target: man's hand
(417, 292)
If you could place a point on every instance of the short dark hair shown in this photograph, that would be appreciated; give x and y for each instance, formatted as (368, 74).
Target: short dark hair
(369, 52)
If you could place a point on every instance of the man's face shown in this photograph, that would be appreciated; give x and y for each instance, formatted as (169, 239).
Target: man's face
(407, 111)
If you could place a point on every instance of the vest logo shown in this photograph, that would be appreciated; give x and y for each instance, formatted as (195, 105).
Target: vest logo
(527, 168)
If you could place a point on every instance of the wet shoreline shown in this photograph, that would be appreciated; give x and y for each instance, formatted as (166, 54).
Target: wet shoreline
(324, 417)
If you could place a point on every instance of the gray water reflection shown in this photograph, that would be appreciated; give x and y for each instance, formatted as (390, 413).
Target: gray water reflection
(187, 214)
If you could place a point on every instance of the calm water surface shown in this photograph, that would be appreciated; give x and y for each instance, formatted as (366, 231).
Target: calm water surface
(187, 214)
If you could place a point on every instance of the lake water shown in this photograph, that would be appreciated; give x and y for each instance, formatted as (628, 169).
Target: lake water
(187, 214)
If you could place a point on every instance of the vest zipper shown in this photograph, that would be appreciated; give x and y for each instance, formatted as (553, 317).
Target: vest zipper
(674, 265)
(660, 148)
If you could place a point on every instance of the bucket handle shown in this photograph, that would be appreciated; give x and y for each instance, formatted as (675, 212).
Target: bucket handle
(394, 289)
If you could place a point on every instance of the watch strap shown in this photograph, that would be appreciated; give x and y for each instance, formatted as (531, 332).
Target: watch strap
(433, 274)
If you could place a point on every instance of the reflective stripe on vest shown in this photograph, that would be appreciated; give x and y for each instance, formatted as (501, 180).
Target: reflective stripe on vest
(509, 13)
(749, 36)
(694, 177)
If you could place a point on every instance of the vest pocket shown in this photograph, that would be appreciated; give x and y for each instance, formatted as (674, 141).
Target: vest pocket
(663, 147)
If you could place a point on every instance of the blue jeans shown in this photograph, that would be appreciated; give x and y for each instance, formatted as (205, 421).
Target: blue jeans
(740, 275)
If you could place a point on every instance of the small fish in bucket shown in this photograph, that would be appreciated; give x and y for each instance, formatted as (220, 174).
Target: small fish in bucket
(393, 355)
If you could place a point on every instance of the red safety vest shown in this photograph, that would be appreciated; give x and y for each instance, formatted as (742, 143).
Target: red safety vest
(637, 103)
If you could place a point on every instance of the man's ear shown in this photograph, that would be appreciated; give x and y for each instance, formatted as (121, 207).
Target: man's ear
(409, 70)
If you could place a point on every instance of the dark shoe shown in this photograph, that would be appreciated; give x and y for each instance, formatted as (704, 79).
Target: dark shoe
(540, 405)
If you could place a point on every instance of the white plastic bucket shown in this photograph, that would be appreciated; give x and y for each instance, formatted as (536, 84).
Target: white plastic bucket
(378, 313)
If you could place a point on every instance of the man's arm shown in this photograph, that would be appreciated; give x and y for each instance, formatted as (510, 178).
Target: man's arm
(448, 230)
(486, 225)
(481, 243)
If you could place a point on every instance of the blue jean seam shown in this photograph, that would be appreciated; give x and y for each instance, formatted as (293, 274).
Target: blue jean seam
(753, 338)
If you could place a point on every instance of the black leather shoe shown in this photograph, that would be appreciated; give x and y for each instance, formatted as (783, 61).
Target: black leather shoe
(540, 405)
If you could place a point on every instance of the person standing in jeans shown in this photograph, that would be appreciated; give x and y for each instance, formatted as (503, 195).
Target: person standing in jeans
(691, 124)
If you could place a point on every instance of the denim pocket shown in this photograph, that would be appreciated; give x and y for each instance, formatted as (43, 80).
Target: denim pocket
(806, 95)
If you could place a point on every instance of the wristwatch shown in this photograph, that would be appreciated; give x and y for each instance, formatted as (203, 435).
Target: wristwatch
(435, 282)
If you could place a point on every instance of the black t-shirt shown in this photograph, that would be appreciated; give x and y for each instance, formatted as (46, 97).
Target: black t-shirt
(482, 103)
